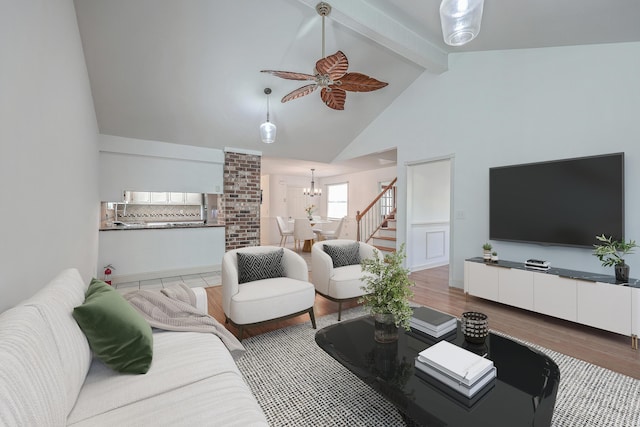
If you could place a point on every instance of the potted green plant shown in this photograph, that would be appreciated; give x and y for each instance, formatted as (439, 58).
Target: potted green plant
(494, 256)
(611, 253)
(487, 251)
(388, 293)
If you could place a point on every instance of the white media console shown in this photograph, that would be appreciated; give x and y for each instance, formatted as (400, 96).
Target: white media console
(586, 298)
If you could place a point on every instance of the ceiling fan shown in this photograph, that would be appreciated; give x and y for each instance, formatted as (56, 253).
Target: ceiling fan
(330, 74)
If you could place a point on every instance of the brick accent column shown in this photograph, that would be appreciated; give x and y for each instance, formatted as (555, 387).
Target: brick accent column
(241, 200)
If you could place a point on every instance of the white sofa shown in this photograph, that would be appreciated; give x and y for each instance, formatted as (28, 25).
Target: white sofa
(49, 378)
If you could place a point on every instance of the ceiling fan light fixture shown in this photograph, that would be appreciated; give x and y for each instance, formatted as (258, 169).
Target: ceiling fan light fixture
(460, 20)
(268, 129)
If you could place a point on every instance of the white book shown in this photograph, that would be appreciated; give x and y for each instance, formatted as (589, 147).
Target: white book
(467, 391)
(462, 365)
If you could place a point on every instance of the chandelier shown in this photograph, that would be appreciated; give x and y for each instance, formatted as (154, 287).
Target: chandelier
(312, 191)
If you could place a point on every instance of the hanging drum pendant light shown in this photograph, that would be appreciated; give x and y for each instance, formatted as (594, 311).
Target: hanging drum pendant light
(268, 129)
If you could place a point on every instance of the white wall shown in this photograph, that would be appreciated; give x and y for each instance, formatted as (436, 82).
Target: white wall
(507, 107)
(48, 149)
(141, 165)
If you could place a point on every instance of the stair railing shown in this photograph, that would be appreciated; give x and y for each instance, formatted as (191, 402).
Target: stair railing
(375, 215)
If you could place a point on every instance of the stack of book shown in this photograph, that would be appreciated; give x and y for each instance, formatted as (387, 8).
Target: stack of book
(432, 323)
(456, 368)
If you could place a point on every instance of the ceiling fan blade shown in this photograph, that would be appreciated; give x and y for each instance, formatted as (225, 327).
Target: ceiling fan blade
(334, 65)
(333, 97)
(300, 92)
(357, 82)
(290, 75)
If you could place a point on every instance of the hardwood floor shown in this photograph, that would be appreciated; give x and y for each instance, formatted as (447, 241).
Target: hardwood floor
(609, 350)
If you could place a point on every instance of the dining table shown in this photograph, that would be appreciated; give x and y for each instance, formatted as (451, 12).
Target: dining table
(306, 247)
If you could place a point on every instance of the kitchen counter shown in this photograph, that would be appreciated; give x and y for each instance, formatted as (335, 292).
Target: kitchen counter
(167, 251)
(158, 225)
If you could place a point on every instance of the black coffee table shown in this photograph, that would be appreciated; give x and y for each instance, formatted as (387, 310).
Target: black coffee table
(523, 394)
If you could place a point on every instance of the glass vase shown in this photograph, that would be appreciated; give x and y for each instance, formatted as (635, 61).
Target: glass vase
(385, 329)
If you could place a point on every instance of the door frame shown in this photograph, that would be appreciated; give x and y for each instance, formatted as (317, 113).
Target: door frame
(409, 199)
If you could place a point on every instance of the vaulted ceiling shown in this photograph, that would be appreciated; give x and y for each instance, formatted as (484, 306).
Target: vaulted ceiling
(188, 71)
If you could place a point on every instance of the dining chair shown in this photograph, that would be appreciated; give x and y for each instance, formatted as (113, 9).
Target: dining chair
(302, 231)
(284, 231)
(317, 228)
(332, 234)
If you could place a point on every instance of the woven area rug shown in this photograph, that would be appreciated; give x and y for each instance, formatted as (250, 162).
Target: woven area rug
(298, 384)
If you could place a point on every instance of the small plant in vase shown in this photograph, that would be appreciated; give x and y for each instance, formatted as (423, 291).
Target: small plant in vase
(494, 256)
(487, 251)
(309, 210)
(388, 293)
(611, 252)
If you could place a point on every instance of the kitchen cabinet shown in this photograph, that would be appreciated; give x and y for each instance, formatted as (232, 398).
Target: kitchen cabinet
(162, 198)
(140, 197)
(176, 198)
(159, 197)
(193, 198)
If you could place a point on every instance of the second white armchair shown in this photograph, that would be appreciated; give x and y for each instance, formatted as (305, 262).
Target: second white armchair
(342, 280)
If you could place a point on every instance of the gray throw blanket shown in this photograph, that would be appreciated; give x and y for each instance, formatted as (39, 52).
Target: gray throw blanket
(173, 309)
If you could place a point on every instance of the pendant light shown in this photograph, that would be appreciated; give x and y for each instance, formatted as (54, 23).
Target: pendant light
(312, 191)
(460, 20)
(268, 129)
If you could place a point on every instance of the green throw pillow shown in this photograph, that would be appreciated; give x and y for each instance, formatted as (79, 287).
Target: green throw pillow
(117, 333)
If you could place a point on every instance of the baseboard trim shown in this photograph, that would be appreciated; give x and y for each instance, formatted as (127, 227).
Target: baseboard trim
(428, 265)
(136, 277)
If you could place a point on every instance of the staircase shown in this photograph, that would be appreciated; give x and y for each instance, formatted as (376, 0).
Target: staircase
(376, 224)
(385, 238)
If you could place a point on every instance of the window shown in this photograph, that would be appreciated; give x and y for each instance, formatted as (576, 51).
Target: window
(386, 201)
(337, 198)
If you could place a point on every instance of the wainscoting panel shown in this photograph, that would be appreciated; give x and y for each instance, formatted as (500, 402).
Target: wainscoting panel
(429, 245)
(435, 244)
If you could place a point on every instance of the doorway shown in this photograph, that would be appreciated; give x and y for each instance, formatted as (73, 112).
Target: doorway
(429, 200)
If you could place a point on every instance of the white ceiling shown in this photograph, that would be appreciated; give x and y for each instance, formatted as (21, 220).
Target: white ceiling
(188, 71)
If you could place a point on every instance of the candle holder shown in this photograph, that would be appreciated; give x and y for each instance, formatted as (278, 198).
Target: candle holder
(475, 327)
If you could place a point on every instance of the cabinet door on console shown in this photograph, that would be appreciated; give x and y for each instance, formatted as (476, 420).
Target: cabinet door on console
(482, 280)
(605, 306)
(555, 296)
(635, 311)
(516, 287)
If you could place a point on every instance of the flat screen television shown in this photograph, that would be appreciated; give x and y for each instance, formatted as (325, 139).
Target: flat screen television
(563, 202)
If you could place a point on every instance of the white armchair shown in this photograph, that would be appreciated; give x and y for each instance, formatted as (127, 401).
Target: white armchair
(338, 283)
(259, 301)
